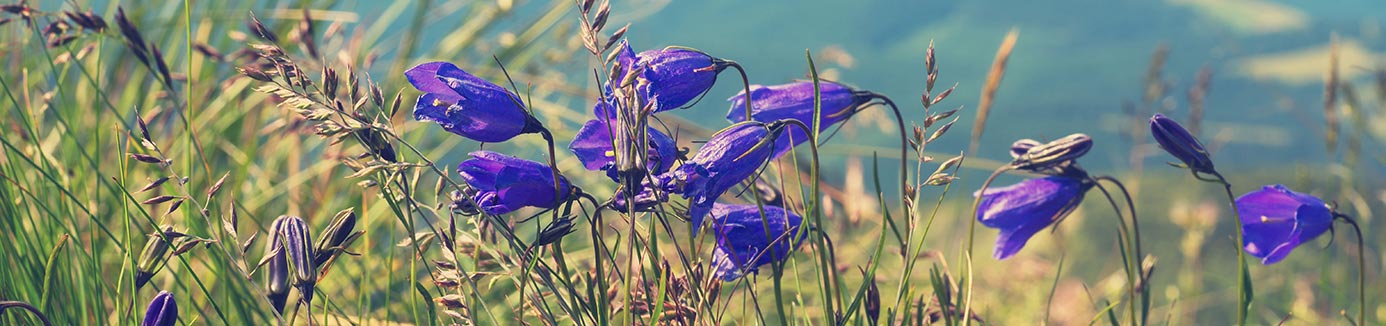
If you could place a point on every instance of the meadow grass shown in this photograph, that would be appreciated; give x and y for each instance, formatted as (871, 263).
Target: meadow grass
(159, 141)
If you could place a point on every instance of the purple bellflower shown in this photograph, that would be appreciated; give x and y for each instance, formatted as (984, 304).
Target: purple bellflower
(506, 183)
(467, 105)
(593, 146)
(1177, 141)
(743, 241)
(795, 101)
(1025, 208)
(162, 311)
(728, 157)
(675, 76)
(1275, 220)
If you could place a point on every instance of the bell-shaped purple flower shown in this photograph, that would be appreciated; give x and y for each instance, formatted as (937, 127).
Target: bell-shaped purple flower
(1179, 142)
(1275, 220)
(1022, 209)
(727, 158)
(162, 311)
(506, 183)
(469, 106)
(675, 76)
(743, 241)
(795, 101)
(593, 146)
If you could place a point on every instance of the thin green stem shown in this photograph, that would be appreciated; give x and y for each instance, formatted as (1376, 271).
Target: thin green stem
(1244, 288)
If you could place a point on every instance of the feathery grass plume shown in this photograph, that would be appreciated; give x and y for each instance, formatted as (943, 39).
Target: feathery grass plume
(1330, 97)
(998, 70)
(153, 255)
(277, 278)
(162, 311)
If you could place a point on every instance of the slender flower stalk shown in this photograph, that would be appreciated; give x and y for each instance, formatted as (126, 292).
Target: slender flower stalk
(1181, 144)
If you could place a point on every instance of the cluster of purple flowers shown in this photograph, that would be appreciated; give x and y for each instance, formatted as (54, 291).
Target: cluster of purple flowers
(1274, 219)
(644, 161)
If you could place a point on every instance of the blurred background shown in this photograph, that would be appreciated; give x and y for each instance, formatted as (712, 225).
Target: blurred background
(1249, 76)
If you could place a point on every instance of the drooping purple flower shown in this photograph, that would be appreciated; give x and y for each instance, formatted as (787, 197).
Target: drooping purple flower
(593, 146)
(743, 241)
(467, 105)
(1022, 209)
(1275, 220)
(675, 76)
(506, 183)
(1178, 142)
(729, 157)
(162, 311)
(795, 101)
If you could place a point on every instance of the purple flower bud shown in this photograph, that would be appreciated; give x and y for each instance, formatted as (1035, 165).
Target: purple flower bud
(298, 244)
(1179, 142)
(1275, 220)
(162, 311)
(277, 270)
(506, 183)
(675, 76)
(593, 146)
(727, 158)
(469, 106)
(795, 101)
(743, 241)
(1022, 209)
(1054, 157)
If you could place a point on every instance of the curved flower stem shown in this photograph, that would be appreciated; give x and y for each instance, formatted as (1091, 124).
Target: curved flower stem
(971, 237)
(744, 82)
(815, 212)
(1244, 288)
(1139, 258)
(18, 304)
(1361, 268)
(900, 123)
(1128, 261)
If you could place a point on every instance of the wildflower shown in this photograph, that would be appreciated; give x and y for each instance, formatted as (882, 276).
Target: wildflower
(1054, 157)
(646, 200)
(277, 283)
(593, 146)
(162, 311)
(506, 183)
(1275, 220)
(469, 106)
(675, 76)
(1025, 208)
(728, 158)
(795, 101)
(300, 254)
(743, 241)
(1179, 142)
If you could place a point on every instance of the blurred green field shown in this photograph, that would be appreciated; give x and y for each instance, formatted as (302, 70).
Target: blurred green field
(75, 217)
